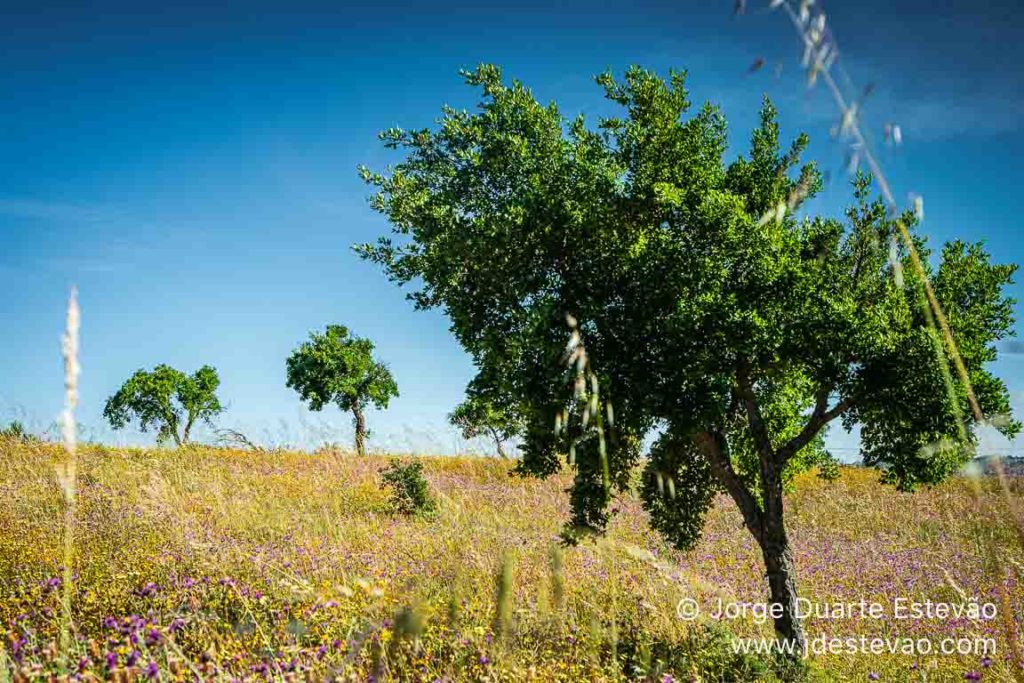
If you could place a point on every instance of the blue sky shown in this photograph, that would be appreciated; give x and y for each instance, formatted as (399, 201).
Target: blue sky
(192, 168)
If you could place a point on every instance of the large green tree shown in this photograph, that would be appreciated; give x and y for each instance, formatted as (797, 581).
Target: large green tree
(337, 367)
(711, 314)
(166, 399)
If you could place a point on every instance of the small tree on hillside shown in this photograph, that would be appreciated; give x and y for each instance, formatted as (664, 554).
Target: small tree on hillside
(166, 399)
(16, 431)
(335, 367)
(478, 416)
(742, 337)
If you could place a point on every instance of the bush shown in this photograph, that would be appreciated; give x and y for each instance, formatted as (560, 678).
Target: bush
(15, 430)
(705, 651)
(410, 493)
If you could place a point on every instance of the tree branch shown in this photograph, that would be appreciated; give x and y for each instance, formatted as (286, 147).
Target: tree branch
(713, 446)
(758, 429)
(820, 417)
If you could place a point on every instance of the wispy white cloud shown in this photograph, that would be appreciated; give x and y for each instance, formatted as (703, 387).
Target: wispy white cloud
(1012, 346)
(56, 211)
(74, 238)
(942, 115)
(82, 265)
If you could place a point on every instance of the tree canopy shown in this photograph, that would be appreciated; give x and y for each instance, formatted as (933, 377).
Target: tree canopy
(337, 367)
(479, 415)
(166, 399)
(712, 313)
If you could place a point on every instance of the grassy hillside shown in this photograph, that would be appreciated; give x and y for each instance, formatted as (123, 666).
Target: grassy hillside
(228, 564)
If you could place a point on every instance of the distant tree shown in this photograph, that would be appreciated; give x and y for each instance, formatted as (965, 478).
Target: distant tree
(16, 431)
(335, 367)
(233, 438)
(166, 399)
(709, 311)
(478, 416)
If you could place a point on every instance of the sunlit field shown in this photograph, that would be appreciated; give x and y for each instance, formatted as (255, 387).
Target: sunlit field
(222, 565)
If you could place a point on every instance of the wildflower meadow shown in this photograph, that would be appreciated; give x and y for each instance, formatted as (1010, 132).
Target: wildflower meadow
(673, 328)
(217, 564)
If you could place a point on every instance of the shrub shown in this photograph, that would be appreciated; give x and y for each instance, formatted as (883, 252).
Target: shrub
(16, 431)
(410, 493)
(828, 469)
(706, 649)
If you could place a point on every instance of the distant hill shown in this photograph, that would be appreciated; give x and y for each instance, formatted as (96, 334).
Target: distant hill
(1012, 466)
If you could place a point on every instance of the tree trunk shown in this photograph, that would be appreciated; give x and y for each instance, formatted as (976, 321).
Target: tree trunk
(781, 570)
(170, 427)
(778, 558)
(359, 420)
(767, 527)
(497, 443)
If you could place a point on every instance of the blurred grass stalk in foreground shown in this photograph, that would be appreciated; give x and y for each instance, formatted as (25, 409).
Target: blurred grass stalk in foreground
(820, 59)
(67, 470)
